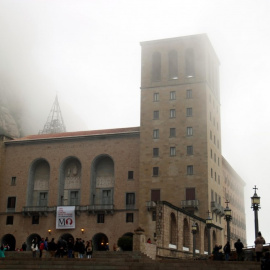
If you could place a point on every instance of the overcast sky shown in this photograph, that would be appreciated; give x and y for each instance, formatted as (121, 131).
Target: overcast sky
(88, 52)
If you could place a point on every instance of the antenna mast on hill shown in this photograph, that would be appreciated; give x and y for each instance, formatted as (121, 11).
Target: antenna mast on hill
(55, 122)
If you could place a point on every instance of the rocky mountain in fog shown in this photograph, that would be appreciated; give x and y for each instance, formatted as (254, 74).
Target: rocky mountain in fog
(9, 124)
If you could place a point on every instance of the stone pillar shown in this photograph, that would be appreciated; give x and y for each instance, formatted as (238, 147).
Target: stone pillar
(139, 240)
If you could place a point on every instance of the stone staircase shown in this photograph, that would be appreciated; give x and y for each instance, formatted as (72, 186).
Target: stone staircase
(109, 260)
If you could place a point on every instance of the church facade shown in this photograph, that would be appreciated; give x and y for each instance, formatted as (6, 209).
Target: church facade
(163, 176)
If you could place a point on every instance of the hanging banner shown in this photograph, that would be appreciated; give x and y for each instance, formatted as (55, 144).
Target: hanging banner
(65, 217)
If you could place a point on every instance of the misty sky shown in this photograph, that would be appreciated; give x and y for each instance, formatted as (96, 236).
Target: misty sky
(88, 53)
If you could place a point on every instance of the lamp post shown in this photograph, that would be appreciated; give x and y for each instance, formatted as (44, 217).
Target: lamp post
(255, 204)
(208, 222)
(228, 218)
(194, 230)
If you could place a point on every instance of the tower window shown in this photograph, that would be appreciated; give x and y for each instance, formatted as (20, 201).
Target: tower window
(173, 65)
(156, 133)
(172, 132)
(156, 97)
(9, 220)
(11, 203)
(35, 219)
(100, 218)
(155, 171)
(189, 150)
(189, 131)
(13, 181)
(189, 60)
(156, 67)
(129, 217)
(156, 115)
(172, 113)
(155, 152)
(172, 95)
(189, 169)
(130, 175)
(172, 151)
(189, 93)
(130, 200)
(189, 111)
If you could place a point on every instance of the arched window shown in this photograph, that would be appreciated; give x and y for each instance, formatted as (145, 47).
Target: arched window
(38, 184)
(102, 181)
(70, 182)
(173, 230)
(186, 235)
(156, 67)
(173, 65)
(190, 64)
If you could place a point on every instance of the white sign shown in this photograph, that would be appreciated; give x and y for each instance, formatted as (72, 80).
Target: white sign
(65, 217)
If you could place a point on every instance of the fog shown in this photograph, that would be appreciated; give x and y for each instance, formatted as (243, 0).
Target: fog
(88, 53)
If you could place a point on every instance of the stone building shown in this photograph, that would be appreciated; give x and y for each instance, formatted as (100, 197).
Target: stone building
(169, 171)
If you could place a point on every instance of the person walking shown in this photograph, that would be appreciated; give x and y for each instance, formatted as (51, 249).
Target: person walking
(89, 249)
(259, 242)
(239, 249)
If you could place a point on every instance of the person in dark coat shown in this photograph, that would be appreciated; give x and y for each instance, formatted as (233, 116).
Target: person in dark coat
(81, 248)
(239, 249)
(52, 247)
(216, 252)
(70, 247)
(61, 247)
(227, 251)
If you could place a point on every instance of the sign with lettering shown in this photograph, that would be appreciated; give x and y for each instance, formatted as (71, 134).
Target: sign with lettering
(65, 217)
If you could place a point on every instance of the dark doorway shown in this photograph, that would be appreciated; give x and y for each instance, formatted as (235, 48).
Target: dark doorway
(100, 242)
(10, 240)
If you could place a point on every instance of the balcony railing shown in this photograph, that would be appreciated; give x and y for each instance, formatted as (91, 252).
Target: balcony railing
(190, 204)
(106, 208)
(37, 210)
(151, 205)
(217, 208)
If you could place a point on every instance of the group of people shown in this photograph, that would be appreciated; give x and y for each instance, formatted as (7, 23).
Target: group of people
(238, 245)
(79, 249)
(227, 251)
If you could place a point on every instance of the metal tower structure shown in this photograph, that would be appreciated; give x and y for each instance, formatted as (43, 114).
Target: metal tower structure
(55, 122)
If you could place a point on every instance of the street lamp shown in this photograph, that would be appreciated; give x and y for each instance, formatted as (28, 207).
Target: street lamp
(228, 218)
(194, 230)
(208, 222)
(255, 204)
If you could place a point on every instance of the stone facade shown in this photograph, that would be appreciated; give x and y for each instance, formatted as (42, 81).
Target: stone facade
(117, 178)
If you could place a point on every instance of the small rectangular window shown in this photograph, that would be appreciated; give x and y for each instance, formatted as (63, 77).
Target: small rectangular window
(35, 219)
(74, 197)
(155, 195)
(156, 133)
(189, 150)
(156, 97)
(100, 218)
(155, 171)
(211, 173)
(190, 169)
(172, 151)
(189, 94)
(172, 95)
(13, 181)
(9, 220)
(189, 112)
(172, 113)
(189, 131)
(156, 115)
(172, 132)
(11, 203)
(129, 217)
(155, 152)
(130, 200)
(130, 175)
(190, 194)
